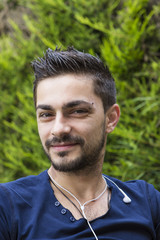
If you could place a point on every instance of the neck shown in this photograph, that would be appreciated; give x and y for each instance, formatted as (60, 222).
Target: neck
(83, 186)
(81, 205)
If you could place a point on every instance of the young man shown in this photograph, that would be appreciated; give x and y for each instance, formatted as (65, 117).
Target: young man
(75, 100)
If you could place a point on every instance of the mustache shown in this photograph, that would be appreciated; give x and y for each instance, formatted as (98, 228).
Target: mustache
(64, 139)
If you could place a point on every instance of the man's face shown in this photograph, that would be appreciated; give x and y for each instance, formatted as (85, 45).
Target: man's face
(71, 122)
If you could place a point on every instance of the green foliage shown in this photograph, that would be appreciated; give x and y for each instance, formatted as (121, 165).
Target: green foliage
(126, 35)
(134, 63)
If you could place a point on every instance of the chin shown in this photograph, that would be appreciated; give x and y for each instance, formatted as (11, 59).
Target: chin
(67, 165)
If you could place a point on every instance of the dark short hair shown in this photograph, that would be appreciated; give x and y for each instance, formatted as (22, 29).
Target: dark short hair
(71, 61)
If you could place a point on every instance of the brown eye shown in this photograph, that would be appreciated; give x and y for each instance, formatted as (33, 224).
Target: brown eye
(45, 115)
(80, 111)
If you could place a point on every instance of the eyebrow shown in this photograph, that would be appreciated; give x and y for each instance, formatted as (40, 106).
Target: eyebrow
(77, 103)
(67, 105)
(44, 107)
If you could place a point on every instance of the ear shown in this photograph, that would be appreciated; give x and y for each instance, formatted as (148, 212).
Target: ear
(112, 118)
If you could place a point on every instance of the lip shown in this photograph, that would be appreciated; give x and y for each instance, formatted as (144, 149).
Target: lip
(63, 147)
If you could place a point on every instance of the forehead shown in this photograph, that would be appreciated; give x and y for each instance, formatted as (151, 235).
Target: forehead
(66, 88)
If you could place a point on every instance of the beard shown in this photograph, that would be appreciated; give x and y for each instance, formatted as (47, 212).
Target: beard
(89, 157)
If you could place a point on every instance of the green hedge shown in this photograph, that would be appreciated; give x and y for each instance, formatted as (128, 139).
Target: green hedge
(125, 34)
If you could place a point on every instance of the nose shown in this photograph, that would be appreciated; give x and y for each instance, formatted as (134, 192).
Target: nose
(60, 126)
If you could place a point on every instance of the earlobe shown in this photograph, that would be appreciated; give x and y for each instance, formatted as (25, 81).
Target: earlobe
(112, 118)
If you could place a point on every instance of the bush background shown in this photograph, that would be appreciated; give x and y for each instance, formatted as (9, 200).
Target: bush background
(126, 35)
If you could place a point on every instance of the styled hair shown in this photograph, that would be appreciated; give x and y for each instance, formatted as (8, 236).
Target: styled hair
(71, 61)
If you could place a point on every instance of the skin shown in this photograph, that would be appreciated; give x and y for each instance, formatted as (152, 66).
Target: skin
(67, 105)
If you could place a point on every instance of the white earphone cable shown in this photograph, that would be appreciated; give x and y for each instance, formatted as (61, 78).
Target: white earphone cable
(83, 205)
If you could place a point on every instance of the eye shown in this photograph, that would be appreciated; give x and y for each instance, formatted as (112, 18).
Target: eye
(78, 112)
(45, 116)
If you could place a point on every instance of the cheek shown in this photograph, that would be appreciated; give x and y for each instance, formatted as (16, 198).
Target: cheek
(90, 131)
(98, 130)
(44, 131)
(91, 127)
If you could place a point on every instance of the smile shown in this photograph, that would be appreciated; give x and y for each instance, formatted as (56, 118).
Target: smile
(63, 147)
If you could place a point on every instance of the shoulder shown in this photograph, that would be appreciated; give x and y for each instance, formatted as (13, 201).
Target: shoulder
(29, 180)
(16, 200)
(23, 187)
(142, 194)
(134, 187)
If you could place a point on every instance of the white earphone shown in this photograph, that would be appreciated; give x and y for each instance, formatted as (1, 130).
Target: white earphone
(126, 199)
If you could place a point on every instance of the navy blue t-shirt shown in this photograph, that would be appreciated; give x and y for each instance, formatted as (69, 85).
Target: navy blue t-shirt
(29, 210)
